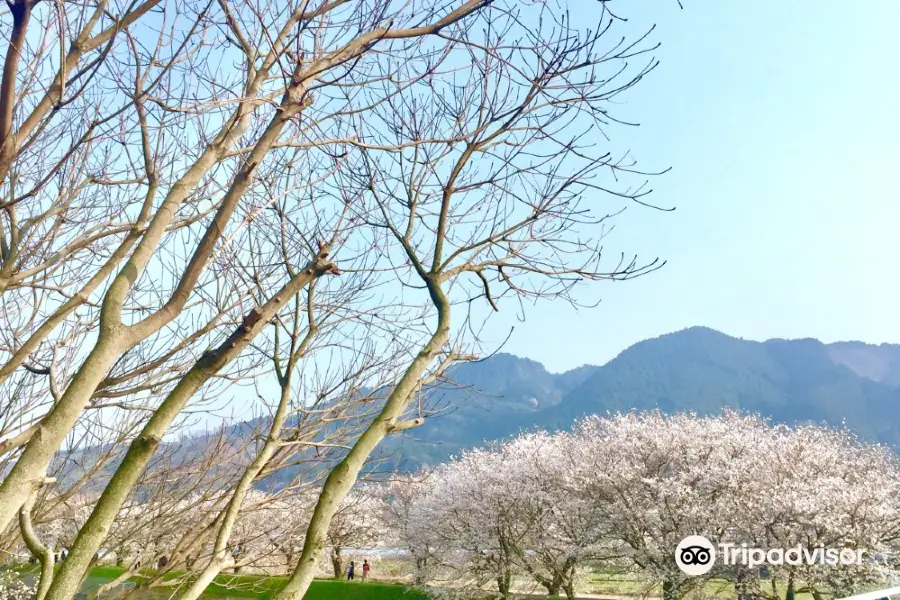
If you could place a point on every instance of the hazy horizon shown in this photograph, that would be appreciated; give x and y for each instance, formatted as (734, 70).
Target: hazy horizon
(512, 351)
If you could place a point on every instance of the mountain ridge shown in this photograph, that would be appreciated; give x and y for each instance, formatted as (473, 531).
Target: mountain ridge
(697, 369)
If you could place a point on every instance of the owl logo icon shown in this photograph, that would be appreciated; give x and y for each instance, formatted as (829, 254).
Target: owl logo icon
(695, 555)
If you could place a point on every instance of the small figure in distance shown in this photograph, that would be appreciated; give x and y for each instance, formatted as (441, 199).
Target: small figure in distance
(366, 569)
(350, 571)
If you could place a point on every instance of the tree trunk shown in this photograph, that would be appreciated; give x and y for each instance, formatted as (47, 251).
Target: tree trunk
(143, 447)
(504, 582)
(21, 13)
(669, 591)
(220, 559)
(552, 584)
(37, 548)
(337, 563)
(421, 563)
(289, 559)
(114, 338)
(740, 584)
(568, 578)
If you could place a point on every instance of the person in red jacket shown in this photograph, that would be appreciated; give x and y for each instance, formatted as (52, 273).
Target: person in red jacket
(366, 569)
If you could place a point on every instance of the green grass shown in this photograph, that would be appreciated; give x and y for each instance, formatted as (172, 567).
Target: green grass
(264, 587)
(603, 581)
(109, 573)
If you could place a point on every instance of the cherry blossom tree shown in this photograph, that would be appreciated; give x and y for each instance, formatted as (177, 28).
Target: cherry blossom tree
(408, 523)
(736, 479)
(358, 524)
(662, 479)
(628, 488)
(565, 528)
(474, 524)
(819, 487)
(502, 513)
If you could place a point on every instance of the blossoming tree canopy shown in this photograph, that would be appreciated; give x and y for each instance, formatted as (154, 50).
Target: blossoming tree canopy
(627, 488)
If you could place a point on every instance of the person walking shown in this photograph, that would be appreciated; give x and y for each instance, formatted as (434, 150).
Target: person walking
(366, 569)
(350, 571)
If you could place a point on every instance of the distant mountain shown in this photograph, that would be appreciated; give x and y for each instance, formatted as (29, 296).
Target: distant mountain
(485, 400)
(878, 363)
(697, 369)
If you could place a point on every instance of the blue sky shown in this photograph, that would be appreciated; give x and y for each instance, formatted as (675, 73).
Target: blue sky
(780, 122)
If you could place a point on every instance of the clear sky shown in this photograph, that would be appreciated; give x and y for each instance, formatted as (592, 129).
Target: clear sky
(781, 122)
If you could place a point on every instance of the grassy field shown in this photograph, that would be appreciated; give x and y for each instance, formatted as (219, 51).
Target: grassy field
(600, 582)
(263, 587)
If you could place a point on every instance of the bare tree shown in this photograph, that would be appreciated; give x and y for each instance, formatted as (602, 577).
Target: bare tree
(486, 198)
(233, 170)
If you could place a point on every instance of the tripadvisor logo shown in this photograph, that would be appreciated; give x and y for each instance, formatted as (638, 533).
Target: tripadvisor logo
(695, 555)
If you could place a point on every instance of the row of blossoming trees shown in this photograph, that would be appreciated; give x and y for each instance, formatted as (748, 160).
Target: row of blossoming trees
(624, 491)
(619, 492)
(173, 529)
